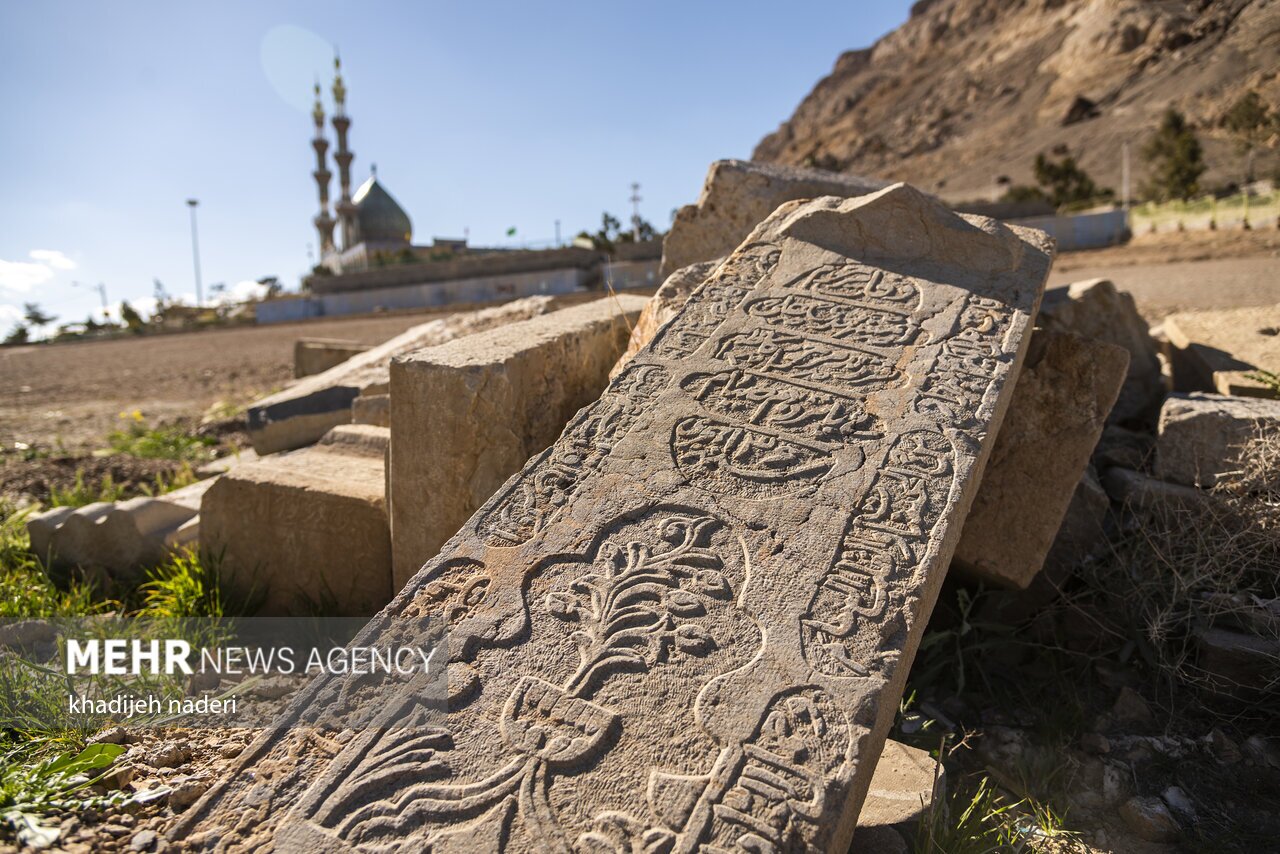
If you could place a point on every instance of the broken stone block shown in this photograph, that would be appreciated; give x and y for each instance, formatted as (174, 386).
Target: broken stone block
(1201, 435)
(739, 194)
(372, 409)
(1217, 350)
(663, 306)
(1081, 535)
(1058, 410)
(306, 532)
(119, 537)
(689, 622)
(468, 414)
(1095, 309)
(1147, 494)
(302, 413)
(1238, 663)
(315, 355)
(903, 788)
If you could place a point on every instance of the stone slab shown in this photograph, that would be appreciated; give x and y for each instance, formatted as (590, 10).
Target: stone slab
(1059, 408)
(1200, 435)
(739, 194)
(301, 414)
(306, 532)
(315, 355)
(689, 622)
(663, 306)
(1095, 309)
(1216, 350)
(121, 537)
(1057, 414)
(468, 414)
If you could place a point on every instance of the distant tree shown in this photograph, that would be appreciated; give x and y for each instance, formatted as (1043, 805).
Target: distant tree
(1063, 182)
(1250, 120)
(18, 335)
(1023, 193)
(1175, 158)
(34, 316)
(91, 325)
(217, 288)
(272, 284)
(132, 320)
(161, 295)
(611, 233)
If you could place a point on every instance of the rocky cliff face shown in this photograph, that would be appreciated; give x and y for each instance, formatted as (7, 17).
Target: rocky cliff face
(968, 91)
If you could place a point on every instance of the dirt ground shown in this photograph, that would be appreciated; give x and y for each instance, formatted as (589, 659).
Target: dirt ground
(71, 394)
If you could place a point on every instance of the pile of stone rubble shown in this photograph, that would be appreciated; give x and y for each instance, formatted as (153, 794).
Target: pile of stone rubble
(687, 621)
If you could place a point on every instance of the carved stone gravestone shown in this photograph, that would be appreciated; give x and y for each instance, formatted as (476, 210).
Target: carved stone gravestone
(687, 625)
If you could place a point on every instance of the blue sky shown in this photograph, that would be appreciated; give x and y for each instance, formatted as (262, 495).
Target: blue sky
(479, 116)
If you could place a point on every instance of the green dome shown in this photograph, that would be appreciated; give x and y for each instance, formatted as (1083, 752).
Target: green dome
(380, 217)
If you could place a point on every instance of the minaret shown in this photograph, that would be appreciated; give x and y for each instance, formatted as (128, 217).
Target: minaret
(324, 222)
(346, 210)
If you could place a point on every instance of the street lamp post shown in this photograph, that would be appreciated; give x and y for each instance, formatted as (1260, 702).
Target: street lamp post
(195, 251)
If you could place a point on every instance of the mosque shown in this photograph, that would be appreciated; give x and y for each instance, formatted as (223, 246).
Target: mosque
(368, 261)
(371, 223)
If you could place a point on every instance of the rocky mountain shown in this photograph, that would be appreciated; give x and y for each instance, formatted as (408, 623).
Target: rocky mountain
(961, 98)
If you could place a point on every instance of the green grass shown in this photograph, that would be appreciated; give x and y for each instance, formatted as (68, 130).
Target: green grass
(1267, 378)
(184, 587)
(81, 492)
(30, 790)
(26, 590)
(160, 443)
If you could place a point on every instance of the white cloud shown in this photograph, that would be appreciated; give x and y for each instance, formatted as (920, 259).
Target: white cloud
(53, 258)
(9, 315)
(21, 276)
(238, 293)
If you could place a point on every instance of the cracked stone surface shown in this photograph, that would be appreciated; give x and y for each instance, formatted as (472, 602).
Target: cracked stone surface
(687, 624)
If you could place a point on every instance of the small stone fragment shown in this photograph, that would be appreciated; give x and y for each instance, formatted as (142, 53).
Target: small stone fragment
(1150, 819)
(1179, 802)
(1131, 708)
(143, 840)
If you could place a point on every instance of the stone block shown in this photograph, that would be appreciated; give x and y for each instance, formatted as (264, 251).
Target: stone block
(689, 622)
(739, 194)
(372, 409)
(468, 414)
(1216, 350)
(122, 537)
(315, 355)
(306, 531)
(1095, 309)
(1201, 434)
(1058, 410)
(301, 414)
